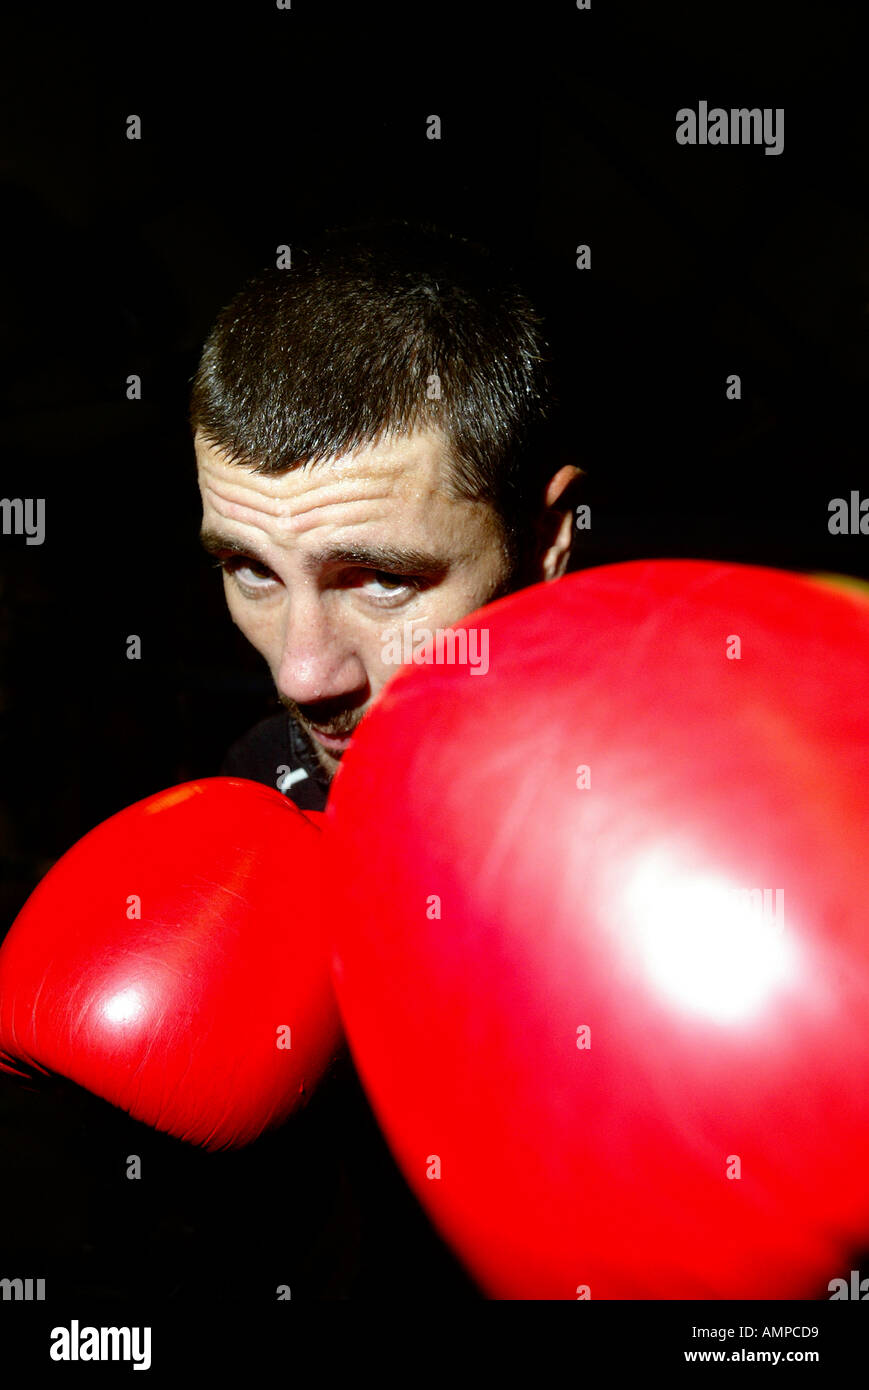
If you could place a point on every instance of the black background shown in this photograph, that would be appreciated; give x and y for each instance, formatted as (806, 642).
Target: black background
(259, 127)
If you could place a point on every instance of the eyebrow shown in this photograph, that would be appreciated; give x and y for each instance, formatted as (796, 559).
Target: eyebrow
(401, 559)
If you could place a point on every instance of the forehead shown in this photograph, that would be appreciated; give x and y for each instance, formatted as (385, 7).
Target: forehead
(400, 480)
(398, 462)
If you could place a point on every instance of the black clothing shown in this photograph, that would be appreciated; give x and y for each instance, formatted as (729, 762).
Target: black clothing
(275, 744)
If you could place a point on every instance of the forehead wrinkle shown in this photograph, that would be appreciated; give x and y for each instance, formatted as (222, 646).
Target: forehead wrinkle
(297, 521)
(271, 501)
(220, 499)
(272, 536)
(347, 471)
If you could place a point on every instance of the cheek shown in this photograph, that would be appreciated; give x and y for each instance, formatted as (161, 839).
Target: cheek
(261, 626)
(380, 653)
(467, 593)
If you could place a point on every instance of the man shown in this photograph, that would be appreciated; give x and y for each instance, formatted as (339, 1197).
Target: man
(371, 429)
(371, 434)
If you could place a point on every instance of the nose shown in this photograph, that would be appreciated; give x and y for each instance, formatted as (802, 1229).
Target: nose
(319, 660)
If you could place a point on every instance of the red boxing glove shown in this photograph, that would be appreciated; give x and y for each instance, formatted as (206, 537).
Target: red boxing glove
(172, 963)
(606, 979)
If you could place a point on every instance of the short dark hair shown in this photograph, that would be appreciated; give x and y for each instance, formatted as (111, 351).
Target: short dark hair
(338, 351)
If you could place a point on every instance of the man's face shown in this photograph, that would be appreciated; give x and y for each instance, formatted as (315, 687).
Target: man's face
(322, 562)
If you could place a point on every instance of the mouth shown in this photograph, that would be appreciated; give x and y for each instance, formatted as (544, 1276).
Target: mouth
(330, 741)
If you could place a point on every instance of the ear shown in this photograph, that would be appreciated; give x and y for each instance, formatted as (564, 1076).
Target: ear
(556, 524)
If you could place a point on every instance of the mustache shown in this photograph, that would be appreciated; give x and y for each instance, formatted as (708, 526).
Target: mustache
(333, 718)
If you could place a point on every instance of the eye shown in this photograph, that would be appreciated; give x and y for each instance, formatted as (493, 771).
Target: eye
(392, 585)
(391, 581)
(249, 575)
